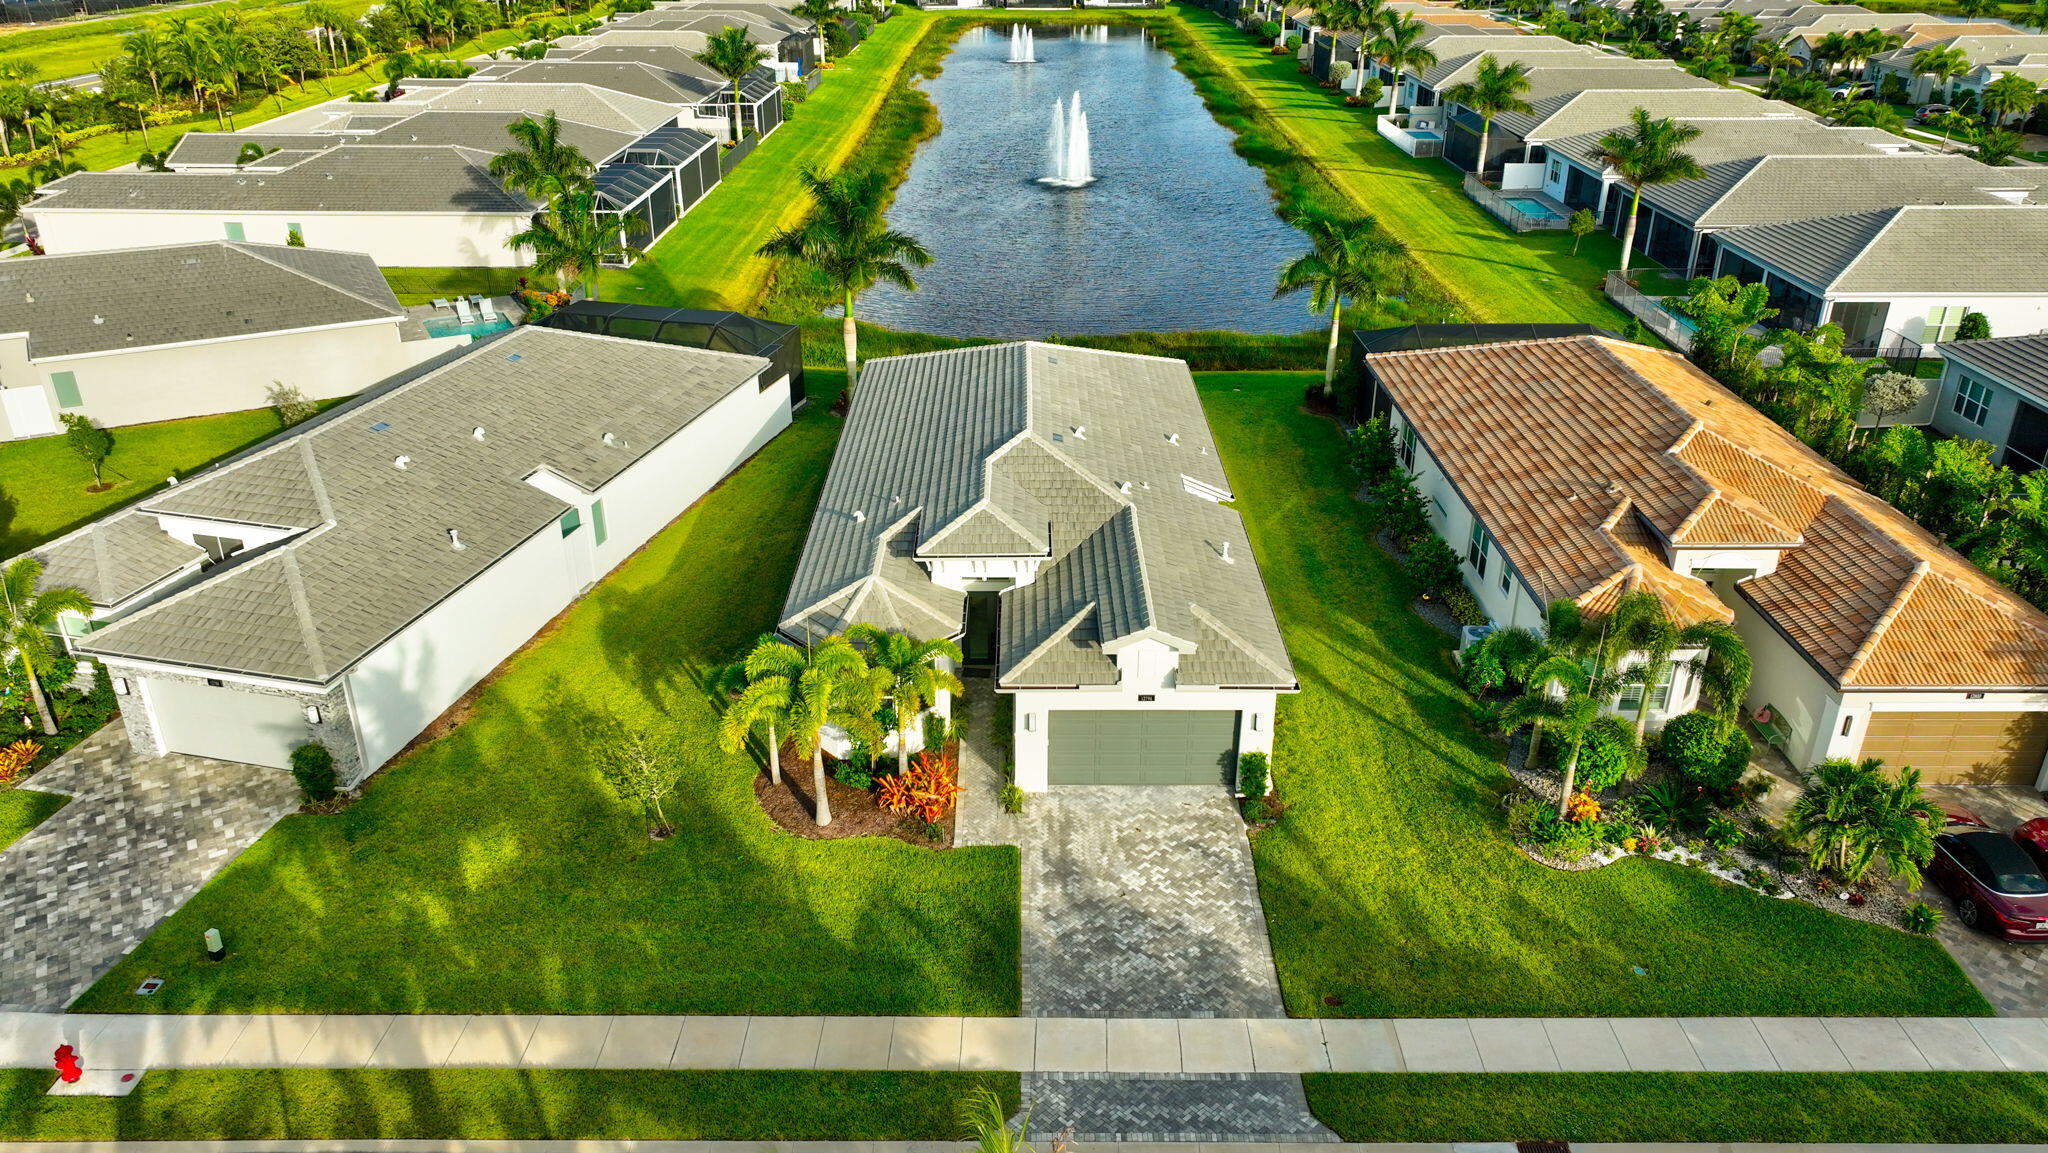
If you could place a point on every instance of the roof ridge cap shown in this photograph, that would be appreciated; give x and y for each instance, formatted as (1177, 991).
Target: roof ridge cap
(1129, 514)
(309, 633)
(1891, 218)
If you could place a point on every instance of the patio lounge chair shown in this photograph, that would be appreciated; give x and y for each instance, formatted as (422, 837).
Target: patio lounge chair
(486, 308)
(462, 312)
(440, 303)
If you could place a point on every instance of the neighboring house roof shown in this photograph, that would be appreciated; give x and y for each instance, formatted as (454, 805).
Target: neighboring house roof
(667, 86)
(1774, 189)
(373, 551)
(1026, 449)
(346, 178)
(219, 148)
(1593, 107)
(678, 66)
(2020, 361)
(1748, 137)
(1977, 45)
(128, 298)
(1452, 70)
(1586, 458)
(536, 94)
(1917, 248)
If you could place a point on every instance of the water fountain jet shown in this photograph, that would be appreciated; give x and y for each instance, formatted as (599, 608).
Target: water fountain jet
(1072, 166)
(1023, 50)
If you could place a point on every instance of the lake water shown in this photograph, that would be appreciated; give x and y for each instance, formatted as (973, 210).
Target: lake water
(1176, 234)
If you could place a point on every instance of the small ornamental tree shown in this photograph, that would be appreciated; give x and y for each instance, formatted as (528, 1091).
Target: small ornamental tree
(1582, 224)
(1433, 566)
(1974, 326)
(292, 405)
(1888, 394)
(642, 768)
(92, 443)
(1254, 774)
(1608, 754)
(1693, 744)
(1372, 453)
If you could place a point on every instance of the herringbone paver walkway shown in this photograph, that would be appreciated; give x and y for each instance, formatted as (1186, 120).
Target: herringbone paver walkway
(137, 840)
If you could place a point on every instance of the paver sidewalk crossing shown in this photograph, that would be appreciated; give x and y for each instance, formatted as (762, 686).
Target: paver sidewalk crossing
(1044, 1045)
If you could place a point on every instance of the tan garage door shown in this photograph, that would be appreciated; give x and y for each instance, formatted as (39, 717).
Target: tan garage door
(1961, 748)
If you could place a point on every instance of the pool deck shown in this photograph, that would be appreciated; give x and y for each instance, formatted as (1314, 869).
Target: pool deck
(1510, 206)
(417, 316)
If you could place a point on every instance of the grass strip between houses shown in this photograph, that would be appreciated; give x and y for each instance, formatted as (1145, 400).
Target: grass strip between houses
(21, 810)
(499, 1105)
(1894, 1108)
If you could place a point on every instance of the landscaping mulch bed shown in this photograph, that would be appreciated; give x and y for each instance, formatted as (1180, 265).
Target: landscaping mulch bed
(854, 811)
(1433, 612)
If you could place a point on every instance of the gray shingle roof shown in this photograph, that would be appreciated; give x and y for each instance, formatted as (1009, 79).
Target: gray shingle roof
(1545, 52)
(1024, 449)
(139, 297)
(1601, 101)
(113, 559)
(2020, 361)
(646, 81)
(1769, 190)
(1745, 138)
(1977, 49)
(1917, 248)
(347, 178)
(376, 552)
(215, 148)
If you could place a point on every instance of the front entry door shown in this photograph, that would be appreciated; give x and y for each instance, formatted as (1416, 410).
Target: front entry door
(984, 620)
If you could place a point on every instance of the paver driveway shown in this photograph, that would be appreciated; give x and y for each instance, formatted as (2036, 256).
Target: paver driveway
(137, 840)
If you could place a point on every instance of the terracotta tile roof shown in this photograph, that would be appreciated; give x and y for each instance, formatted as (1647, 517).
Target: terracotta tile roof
(1589, 458)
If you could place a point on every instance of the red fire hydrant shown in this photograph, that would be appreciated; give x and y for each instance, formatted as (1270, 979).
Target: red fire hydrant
(68, 1067)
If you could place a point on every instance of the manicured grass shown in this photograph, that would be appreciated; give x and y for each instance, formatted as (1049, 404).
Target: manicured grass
(491, 871)
(1494, 274)
(708, 260)
(494, 1104)
(21, 810)
(1391, 885)
(423, 285)
(43, 484)
(1990, 1108)
(74, 48)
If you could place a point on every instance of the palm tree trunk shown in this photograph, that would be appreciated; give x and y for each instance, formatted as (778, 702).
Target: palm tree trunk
(1394, 95)
(902, 746)
(1571, 778)
(774, 756)
(1628, 235)
(852, 339)
(1485, 134)
(1330, 356)
(818, 784)
(1650, 679)
(1535, 741)
(6, 141)
(35, 693)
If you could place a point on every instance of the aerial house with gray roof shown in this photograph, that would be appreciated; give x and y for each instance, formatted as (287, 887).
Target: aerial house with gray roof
(348, 581)
(163, 333)
(1063, 513)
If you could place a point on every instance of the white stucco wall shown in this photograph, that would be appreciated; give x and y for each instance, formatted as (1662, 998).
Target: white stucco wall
(399, 240)
(200, 379)
(401, 687)
(2010, 315)
(1034, 729)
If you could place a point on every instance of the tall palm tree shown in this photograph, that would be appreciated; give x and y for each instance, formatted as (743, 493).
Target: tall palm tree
(1724, 666)
(1650, 152)
(28, 617)
(1854, 814)
(1943, 64)
(732, 55)
(835, 689)
(1772, 55)
(1399, 47)
(1640, 627)
(1563, 700)
(848, 240)
(1831, 50)
(541, 164)
(1367, 17)
(1495, 88)
(2037, 16)
(761, 690)
(146, 52)
(1348, 260)
(2009, 96)
(574, 241)
(913, 678)
(817, 12)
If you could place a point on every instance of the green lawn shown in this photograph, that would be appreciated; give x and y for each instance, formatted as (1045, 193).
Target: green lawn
(21, 810)
(707, 260)
(1391, 885)
(43, 485)
(498, 1104)
(423, 285)
(490, 871)
(1496, 275)
(1954, 1108)
(74, 48)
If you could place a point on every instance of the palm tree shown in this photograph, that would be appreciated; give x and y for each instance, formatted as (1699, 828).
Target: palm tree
(1349, 259)
(1869, 114)
(1367, 17)
(848, 240)
(835, 689)
(1854, 813)
(541, 164)
(1831, 50)
(146, 53)
(1650, 152)
(1495, 88)
(1772, 55)
(1944, 64)
(1640, 627)
(2037, 16)
(1998, 146)
(913, 678)
(2008, 96)
(1870, 43)
(760, 691)
(817, 12)
(1563, 700)
(1723, 666)
(28, 617)
(1399, 47)
(732, 55)
(575, 240)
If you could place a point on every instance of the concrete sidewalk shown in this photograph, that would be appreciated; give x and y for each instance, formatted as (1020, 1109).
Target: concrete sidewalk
(1026, 1045)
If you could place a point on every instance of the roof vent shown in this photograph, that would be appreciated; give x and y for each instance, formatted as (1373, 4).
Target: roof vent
(30, 297)
(1226, 553)
(401, 463)
(98, 319)
(455, 540)
(1173, 438)
(610, 438)
(859, 516)
(1080, 432)
(381, 426)
(1123, 486)
(478, 433)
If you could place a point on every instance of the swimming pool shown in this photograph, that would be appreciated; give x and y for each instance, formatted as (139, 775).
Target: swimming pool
(1532, 208)
(1422, 134)
(456, 326)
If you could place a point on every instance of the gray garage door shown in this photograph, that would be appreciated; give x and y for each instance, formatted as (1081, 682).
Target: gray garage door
(1142, 748)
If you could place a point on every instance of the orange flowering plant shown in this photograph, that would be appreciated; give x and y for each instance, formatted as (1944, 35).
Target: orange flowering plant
(926, 790)
(17, 757)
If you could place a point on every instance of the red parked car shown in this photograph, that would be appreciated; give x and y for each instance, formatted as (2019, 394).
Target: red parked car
(1995, 882)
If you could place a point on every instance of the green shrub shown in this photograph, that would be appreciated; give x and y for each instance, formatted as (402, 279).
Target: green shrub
(1723, 833)
(1013, 798)
(1254, 774)
(1604, 759)
(854, 776)
(1463, 606)
(1432, 565)
(313, 769)
(1270, 30)
(1372, 454)
(1974, 326)
(1920, 917)
(936, 732)
(1257, 811)
(1398, 508)
(1694, 745)
(1674, 806)
(1482, 669)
